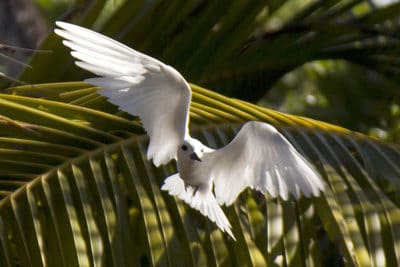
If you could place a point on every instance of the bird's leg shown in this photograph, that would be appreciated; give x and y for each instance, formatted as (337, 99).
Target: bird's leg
(195, 188)
(186, 185)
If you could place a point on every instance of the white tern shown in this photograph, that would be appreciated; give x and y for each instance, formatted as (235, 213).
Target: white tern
(258, 157)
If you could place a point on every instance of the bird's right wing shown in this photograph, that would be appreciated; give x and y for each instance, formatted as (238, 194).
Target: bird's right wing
(138, 84)
(261, 158)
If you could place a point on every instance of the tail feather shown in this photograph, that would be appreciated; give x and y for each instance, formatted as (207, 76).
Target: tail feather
(202, 200)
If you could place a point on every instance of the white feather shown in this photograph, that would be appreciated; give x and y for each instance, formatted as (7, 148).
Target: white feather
(202, 200)
(258, 157)
(261, 158)
(137, 84)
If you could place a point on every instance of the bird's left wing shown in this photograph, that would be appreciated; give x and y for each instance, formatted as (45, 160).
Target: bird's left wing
(136, 83)
(263, 159)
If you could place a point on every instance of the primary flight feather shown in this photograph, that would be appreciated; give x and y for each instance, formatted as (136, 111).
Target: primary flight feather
(258, 157)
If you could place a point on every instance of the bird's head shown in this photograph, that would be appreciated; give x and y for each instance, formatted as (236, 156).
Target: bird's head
(191, 149)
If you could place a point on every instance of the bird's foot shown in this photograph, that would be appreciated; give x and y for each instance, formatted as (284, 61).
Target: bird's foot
(192, 188)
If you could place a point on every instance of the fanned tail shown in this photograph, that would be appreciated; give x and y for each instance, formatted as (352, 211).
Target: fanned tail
(202, 200)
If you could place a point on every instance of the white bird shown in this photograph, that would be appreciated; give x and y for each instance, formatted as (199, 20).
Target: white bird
(258, 157)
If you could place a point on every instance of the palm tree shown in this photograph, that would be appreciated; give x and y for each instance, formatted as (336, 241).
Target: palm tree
(77, 189)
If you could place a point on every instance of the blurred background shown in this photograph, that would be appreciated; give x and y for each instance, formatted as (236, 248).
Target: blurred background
(350, 90)
(332, 60)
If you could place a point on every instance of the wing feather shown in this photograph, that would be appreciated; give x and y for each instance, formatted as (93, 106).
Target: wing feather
(202, 200)
(137, 84)
(261, 158)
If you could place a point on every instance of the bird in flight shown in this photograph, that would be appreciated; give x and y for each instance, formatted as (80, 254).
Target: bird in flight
(258, 157)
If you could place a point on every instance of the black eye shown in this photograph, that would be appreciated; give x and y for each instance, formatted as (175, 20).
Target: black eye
(184, 147)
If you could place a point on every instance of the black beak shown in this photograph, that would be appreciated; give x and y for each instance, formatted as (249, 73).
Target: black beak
(194, 156)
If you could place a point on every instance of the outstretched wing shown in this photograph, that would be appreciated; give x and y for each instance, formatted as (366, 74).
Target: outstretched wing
(263, 159)
(137, 84)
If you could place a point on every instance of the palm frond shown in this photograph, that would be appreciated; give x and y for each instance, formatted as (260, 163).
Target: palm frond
(232, 45)
(77, 189)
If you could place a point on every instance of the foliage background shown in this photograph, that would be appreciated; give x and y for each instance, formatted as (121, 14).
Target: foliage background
(336, 61)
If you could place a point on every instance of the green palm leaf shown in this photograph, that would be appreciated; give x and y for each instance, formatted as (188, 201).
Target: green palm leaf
(78, 191)
(230, 45)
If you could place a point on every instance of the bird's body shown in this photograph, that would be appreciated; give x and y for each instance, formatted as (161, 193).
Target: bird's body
(258, 157)
(190, 156)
